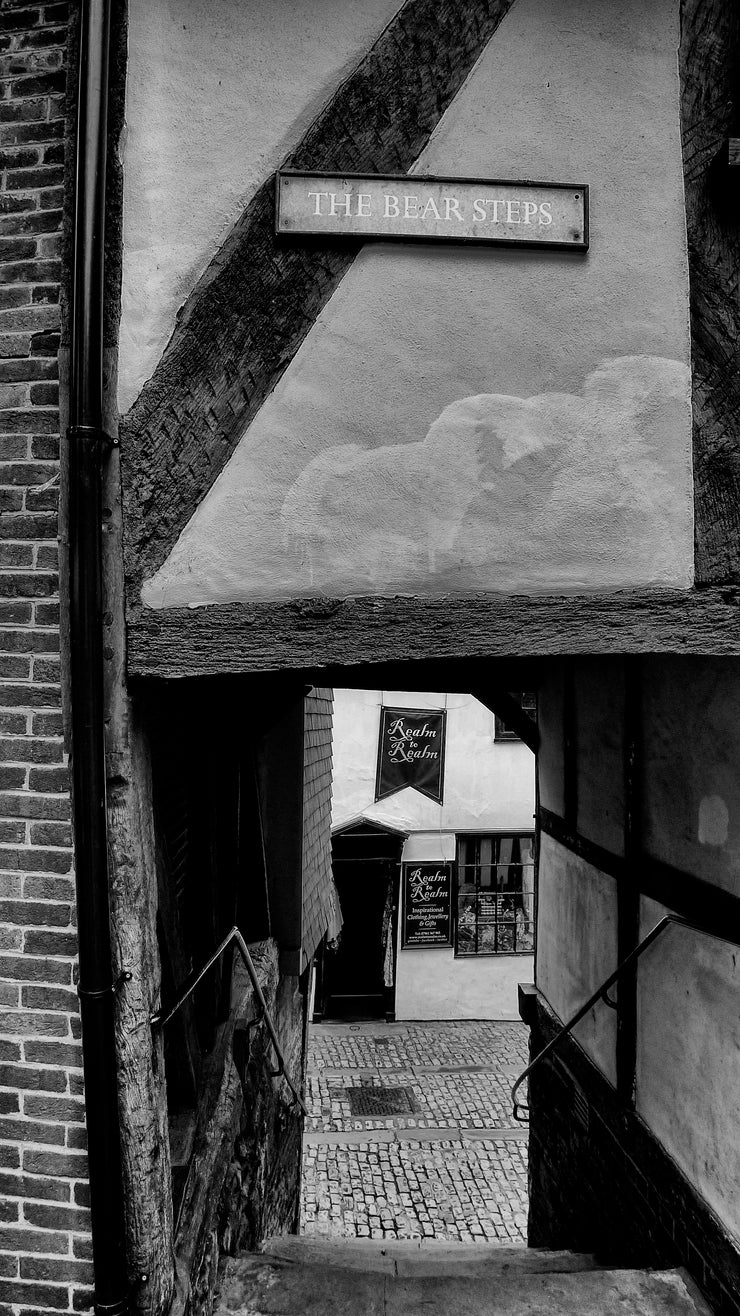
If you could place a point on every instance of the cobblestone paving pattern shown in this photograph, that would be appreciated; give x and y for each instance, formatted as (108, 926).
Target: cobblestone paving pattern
(395, 1046)
(451, 1101)
(454, 1170)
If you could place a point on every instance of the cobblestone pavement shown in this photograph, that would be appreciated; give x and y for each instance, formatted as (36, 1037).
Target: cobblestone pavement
(451, 1164)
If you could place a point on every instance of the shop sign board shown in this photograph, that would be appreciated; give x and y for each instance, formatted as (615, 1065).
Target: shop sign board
(413, 206)
(427, 905)
(411, 750)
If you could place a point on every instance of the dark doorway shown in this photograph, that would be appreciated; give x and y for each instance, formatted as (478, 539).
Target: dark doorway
(357, 979)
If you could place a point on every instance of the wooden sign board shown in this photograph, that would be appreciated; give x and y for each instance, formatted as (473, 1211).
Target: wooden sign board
(411, 206)
(427, 905)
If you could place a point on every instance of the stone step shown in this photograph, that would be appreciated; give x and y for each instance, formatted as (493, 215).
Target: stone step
(310, 1277)
(422, 1256)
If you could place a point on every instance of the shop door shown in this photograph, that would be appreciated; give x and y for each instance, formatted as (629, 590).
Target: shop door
(358, 979)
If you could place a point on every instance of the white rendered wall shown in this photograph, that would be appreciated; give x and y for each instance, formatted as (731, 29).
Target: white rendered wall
(688, 1058)
(577, 945)
(495, 419)
(487, 787)
(432, 984)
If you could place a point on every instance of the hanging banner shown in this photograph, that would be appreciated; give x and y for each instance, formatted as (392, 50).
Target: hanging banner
(427, 905)
(411, 752)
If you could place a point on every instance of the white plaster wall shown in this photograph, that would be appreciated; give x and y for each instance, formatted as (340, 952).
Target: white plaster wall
(216, 95)
(688, 1058)
(577, 946)
(487, 786)
(423, 847)
(691, 800)
(432, 984)
(465, 419)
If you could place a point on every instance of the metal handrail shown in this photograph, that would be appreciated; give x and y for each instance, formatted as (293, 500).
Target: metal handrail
(601, 994)
(159, 1019)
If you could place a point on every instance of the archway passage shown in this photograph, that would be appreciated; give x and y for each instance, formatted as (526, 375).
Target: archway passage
(358, 972)
(416, 1038)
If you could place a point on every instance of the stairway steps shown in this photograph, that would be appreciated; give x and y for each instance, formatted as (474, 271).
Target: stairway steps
(337, 1277)
(423, 1256)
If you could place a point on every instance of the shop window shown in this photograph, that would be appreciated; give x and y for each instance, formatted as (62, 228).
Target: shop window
(528, 701)
(495, 895)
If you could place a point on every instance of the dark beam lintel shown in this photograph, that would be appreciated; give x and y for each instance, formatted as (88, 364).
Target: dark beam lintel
(316, 636)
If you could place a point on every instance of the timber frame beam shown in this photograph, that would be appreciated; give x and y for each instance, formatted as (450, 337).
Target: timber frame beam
(708, 60)
(330, 637)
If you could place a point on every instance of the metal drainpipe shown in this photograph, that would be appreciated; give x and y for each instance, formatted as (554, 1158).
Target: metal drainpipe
(86, 441)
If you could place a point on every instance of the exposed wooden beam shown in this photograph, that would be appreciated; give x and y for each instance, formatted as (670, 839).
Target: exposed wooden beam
(589, 851)
(709, 54)
(313, 635)
(503, 705)
(628, 892)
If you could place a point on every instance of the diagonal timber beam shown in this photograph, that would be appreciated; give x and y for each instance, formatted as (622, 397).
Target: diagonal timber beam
(506, 707)
(257, 301)
(708, 57)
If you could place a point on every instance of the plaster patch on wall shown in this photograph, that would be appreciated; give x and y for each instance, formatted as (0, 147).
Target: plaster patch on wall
(714, 821)
(505, 491)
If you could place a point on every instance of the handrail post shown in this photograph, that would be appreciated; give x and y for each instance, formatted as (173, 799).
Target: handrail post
(159, 1019)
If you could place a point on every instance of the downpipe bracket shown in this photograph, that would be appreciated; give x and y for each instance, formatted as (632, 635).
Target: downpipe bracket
(97, 993)
(93, 432)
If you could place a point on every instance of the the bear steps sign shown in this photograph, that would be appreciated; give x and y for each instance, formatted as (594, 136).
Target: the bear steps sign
(439, 209)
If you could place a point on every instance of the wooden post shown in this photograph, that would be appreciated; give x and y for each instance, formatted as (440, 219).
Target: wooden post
(142, 1096)
(710, 113)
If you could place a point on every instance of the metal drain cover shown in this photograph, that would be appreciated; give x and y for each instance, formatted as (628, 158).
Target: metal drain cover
(381, 1101)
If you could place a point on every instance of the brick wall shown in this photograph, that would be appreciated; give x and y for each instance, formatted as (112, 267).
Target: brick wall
(44, 1221)
(317, 875)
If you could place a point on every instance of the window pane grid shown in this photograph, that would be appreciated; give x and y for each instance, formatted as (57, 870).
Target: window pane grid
(495, 903)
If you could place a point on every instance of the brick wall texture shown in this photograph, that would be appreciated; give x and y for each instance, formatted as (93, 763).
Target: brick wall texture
(44, 1219)
(317, 875)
